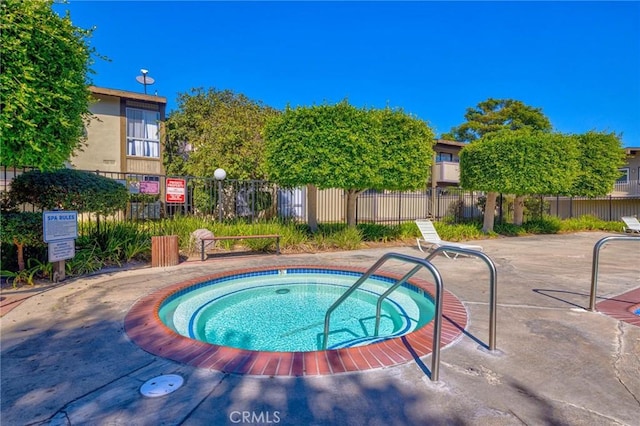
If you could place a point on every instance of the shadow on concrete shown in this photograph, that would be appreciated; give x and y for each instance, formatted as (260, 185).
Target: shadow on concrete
(550, 294)
(80, 368)
(547, 414)
(340, 400)
(466, 332)
(421, 365)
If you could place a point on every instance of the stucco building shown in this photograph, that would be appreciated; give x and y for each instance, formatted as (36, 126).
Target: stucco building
(125, 133)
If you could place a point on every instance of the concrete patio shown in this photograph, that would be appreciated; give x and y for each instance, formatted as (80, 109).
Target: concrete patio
(66, 360)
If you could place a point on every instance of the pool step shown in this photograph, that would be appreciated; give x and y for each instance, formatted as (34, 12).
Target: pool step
(359, 342)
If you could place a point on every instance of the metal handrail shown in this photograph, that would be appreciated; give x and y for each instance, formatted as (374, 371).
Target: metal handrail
(390, 290)
(437, 326)
(493, 284)
(595, 262)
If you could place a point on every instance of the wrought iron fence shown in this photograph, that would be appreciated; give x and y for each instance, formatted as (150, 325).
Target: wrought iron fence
(153, 197)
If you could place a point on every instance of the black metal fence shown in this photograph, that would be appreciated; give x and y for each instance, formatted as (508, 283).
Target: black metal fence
(153, 197)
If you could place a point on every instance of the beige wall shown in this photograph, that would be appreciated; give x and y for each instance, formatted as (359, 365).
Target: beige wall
(144, 166)
(612, 209)
(389, 207)
(633, 163)
(447, 171)
(103, 137)
(393, 206)
(331, 205)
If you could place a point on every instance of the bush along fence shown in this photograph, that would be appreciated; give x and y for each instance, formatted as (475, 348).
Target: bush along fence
(153, 197)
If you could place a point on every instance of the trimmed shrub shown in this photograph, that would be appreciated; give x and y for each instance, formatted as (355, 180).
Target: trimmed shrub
(69, 189)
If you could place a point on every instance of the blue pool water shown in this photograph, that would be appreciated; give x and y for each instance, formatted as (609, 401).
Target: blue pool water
(284, 310)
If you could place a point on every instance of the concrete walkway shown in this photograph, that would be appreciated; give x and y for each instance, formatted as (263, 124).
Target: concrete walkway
(66, 360)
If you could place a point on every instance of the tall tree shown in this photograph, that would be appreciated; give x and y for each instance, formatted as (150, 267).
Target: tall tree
(520, 162)
(498, 114)
(217, 128)
(341, 146)
(495, 115)
(43, 75)
(600, 155)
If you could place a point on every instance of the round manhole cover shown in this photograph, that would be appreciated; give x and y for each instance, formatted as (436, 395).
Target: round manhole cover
(161, 385)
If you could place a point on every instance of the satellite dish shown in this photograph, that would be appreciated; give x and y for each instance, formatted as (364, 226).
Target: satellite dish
(144, 79)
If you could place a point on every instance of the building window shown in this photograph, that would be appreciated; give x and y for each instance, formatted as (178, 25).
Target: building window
(446, 156)
(143, 136)
(143, 178)
(624, 178)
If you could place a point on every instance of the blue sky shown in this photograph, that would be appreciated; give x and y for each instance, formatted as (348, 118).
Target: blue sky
(578, 61)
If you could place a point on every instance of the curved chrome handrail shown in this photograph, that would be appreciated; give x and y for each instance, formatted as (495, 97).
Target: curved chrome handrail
(421, 263)
(493, 285)
(596, 260)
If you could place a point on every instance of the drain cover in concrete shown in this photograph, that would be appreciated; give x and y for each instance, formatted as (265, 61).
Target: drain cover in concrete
(161, 385)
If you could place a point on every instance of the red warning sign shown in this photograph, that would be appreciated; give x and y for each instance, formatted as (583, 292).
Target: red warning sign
(175, 190)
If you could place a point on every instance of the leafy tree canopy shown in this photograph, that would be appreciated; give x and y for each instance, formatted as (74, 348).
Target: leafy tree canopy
(600, 156)
(341, 146)
(498, 114)
(217, 128)
(43, 75)
(520, 162)
(407, 150)
(70, 190)
(21, 228)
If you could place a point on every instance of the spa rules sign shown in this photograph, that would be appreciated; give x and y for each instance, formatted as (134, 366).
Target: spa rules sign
(60, 225)
(60, 229)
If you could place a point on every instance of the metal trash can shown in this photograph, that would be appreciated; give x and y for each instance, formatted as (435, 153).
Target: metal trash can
(165, 251)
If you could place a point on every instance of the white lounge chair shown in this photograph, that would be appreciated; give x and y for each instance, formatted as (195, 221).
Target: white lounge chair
(430, 236)
(632, 224)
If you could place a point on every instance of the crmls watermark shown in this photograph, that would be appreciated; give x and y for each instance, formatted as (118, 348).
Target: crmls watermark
(253, 417)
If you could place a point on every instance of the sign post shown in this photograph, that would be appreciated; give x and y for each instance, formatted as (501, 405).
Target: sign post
(60, 231)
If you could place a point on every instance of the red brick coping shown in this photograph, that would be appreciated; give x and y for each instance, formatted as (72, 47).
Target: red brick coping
(622, 307)
(144, 327)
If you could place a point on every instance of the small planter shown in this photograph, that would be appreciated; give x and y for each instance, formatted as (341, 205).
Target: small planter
(165, 251)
